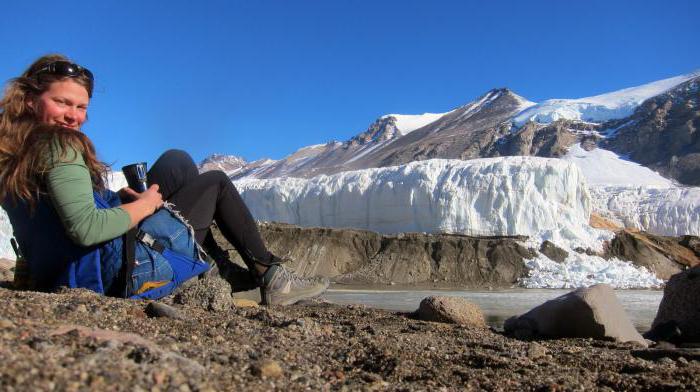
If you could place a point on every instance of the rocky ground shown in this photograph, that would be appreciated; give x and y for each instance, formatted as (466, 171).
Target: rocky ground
(77, 340)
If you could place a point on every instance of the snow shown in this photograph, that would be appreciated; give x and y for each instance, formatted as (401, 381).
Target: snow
(599, 108)
(604, 167)
(580, 270)
(6, 251)
(116, 180)
(407, 123)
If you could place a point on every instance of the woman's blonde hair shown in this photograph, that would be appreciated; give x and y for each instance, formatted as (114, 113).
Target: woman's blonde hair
(25, 143)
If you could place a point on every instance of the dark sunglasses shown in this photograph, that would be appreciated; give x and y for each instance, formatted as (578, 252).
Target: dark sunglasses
(65, 68)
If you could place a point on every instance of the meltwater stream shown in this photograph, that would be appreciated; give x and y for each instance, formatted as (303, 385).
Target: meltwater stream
(641, 305)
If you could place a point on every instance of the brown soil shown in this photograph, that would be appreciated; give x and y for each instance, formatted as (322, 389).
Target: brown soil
(78, 340)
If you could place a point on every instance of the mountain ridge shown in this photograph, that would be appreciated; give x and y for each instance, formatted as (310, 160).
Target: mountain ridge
(491, 125)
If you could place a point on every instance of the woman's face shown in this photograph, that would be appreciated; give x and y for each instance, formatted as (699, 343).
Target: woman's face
(65, 103)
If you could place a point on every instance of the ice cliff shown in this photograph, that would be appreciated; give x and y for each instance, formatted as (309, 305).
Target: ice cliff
(493, 196)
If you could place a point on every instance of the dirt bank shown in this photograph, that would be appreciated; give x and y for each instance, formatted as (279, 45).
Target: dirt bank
(365, 257)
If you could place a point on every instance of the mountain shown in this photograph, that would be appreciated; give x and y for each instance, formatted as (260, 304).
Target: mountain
(600, 108)
(462, 133)
(653, 124)
(663, 133)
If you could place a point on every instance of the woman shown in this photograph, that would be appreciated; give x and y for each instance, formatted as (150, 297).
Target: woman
(49, 170)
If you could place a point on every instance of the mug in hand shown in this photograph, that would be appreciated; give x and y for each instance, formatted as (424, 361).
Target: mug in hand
(136, 176)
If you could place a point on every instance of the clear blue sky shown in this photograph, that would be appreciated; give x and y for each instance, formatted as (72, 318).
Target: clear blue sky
(263, 78)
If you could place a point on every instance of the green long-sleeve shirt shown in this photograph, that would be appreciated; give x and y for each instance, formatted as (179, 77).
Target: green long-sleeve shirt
(70, 189)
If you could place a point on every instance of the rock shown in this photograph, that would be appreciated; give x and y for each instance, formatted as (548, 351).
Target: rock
(5, 323)
(664, 256)
(592, 312)
(158, 309)
(535, 351)
(553, 252)
(244, 303)
(268, 369)
(212, 293)
(104, 335)
(664, 332)
(681, 305)
(455, 310)
(691, 242)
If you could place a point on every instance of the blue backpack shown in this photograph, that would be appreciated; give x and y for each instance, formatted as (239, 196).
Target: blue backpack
(163, 239)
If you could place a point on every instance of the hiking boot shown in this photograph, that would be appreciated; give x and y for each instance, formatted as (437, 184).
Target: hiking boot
(280, 286)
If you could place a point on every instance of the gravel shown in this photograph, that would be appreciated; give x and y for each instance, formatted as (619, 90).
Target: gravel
(79, 341)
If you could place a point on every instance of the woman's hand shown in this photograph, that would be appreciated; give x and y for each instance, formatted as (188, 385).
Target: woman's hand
(144, 204)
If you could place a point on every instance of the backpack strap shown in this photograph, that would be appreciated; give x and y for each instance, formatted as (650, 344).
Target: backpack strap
(129, 254)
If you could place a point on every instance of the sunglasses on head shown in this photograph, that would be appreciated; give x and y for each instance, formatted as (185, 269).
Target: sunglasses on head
(65, 68)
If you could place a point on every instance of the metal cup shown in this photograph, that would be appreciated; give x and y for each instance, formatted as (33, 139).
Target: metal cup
(135, 175)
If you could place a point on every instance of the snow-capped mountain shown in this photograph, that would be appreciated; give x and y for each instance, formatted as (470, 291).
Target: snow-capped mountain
(499, 123)
(395, 139)
(600, 108)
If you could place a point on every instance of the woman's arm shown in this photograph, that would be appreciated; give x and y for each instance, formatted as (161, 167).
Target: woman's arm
(144, 204)
(70, 188)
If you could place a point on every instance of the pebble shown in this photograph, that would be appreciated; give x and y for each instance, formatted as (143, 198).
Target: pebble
(158, 309)
(244, 303)
(267, 368)
(5, 323)
(666, 361)
(535, 351)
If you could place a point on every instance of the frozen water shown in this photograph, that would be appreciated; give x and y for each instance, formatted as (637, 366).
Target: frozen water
(493, 196)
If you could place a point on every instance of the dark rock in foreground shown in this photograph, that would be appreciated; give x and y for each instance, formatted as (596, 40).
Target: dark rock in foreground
(680, 306)
(592, 312)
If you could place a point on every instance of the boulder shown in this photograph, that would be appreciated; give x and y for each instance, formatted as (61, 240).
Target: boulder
(454, 310)
(680, 305)
(664, 256)
(592, 312)
(553, 252)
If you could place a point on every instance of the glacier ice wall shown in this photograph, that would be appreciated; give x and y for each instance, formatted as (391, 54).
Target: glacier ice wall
(670, 211)
(6, 251)
(492, 196)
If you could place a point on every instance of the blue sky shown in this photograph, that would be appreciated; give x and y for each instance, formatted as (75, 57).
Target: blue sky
(263, 78)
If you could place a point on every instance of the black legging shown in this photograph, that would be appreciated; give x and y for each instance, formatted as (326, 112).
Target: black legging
(202, 198)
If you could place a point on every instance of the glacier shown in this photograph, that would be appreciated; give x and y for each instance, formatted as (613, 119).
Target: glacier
(490, 196)
(543, 198)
